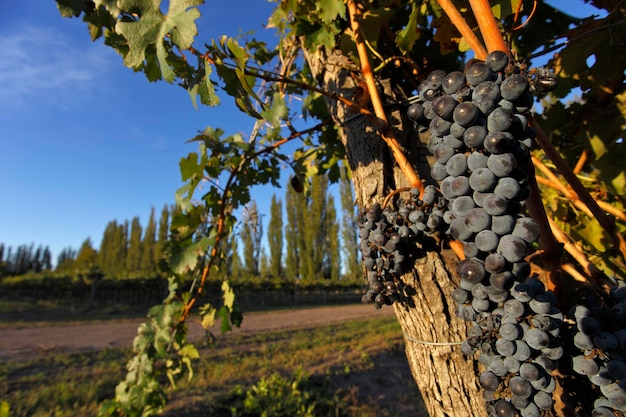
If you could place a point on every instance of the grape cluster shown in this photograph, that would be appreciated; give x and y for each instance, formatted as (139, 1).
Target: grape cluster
(480, 140)
(384, 233)
(600, 337)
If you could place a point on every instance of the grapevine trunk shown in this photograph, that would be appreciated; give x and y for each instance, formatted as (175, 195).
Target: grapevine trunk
(444, 376)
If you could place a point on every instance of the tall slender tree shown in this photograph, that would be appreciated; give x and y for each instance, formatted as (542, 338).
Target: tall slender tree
(275, 237)
(251, 234)
(148, 245)
(293, 204)
(349, 239)
(133, 257)
(331, 246)
(163, 233)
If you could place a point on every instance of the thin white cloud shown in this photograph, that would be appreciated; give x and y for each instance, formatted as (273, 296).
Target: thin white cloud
(41, 66)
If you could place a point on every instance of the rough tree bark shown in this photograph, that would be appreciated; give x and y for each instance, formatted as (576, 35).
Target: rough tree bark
(446, 379)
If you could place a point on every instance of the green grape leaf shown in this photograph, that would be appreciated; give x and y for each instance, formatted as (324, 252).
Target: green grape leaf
(184, 259)
(277, 112)
(228, 294)
(405, 38)
(152, 27)
(504, 8)
(207, 314)
(328, 10)
(5, 410)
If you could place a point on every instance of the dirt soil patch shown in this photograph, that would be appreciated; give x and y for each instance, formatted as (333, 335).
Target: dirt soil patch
(29, 341)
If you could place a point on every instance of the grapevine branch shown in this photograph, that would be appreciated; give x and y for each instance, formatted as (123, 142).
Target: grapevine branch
(488, 26)
(607, 222)
(459, 22)
(224, 206)
(382, 123)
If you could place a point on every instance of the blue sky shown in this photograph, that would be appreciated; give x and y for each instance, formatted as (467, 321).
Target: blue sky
(85, 140)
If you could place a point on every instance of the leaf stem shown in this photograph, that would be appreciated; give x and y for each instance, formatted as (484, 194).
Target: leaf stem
(383, 126)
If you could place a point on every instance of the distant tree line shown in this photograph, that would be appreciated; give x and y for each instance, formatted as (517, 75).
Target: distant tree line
(308, 240)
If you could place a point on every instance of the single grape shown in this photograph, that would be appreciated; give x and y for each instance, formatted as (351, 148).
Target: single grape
(504, 408)
(520, 387)
(415, 112)
(456, 165)
(531, 371)
(502, 281)
(513, 248)
(505, 347)
(453, 82)
(540, 304)
(487, 89)
(442, 153)
(543, 400)
(502, 164)
(500, 120)
(498, 142)
(606, 342)
(497, 367)
(512, 364)
(478, 72)
(495, 205)
(478, 291)
(460, 186)
(484, 104)
(514, 307)
(537, 339)
(444, 106)
(502, 225)
(497, 61)
(483, 179)
(453, 140)
(477, 220)
(439, 126)
(494, 263)
(522, 351)
(489, 381)
(513, 87)
(471, 270)
(527, 228)
(465, 114)
(589, 326)
(462, 204)
(459, 230)
(460, 296)
(486, 240)
(507, 187)
(616, 368)
(476, 160)
(438, 171)
(530, 411)
(510, 331)
(428, 90)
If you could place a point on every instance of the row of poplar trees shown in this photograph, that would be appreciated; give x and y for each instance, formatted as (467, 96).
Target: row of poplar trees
(314, 242)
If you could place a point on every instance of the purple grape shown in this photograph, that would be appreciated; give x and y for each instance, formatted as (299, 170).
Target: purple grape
(495, 205)
(465, 114)
(474, 136)
(500, 120)
(483, 179)
(478, 72)
(502, 164)
(457, 165)
(514, 87)
(507, 187)
(486, 240)
(513, 248)
(477, 220)
(453, 82)
(498, 142)
(497, 60)
(444, 106)
(527, 228)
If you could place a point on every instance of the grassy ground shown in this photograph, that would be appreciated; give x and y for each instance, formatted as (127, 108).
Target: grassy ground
(356, 368)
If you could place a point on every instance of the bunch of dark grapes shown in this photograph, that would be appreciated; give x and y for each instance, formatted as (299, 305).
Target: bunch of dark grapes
(600, 336)
(480, 139)
(385, 234)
